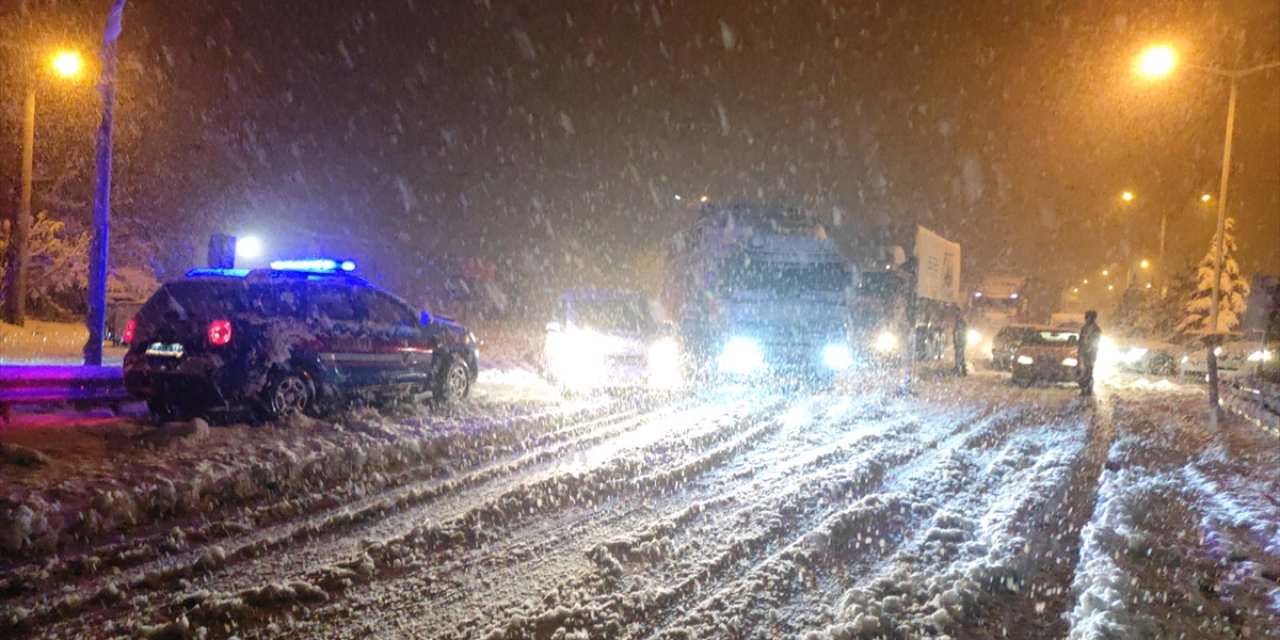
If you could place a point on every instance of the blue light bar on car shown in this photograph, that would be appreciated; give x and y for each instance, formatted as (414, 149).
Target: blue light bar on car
(223, 273)
(318, 265)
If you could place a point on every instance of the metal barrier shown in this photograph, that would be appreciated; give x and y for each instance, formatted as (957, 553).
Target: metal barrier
(81, 386)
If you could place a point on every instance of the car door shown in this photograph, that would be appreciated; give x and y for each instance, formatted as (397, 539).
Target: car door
(396, 335)
(344, 344)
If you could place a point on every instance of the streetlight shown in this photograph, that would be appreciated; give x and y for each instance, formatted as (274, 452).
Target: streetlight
(1127, 196)
(1145, 264)
(67, 65)
(1205, 198)
(1159, 61)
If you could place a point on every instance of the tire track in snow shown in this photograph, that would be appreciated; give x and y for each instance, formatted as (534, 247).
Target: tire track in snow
(550, 435)
(477, 524)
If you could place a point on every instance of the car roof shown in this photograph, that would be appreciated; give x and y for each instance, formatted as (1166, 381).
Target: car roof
(258, 276)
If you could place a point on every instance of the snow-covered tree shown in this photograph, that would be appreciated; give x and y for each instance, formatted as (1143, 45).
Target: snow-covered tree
(1233, 289)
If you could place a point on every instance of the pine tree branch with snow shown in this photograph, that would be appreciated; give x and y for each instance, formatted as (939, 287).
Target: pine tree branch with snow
(1233, 289)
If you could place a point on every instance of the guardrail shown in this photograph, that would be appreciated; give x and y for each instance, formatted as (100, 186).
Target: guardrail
(80, 386)
(1255, 399)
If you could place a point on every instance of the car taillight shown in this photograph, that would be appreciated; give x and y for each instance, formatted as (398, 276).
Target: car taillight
(219, 332)
(127, 338)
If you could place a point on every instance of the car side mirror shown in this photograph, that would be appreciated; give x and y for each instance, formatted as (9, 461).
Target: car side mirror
(425, 318)
(553, 327)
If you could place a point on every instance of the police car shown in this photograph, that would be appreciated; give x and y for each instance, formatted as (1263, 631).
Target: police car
(300, 337)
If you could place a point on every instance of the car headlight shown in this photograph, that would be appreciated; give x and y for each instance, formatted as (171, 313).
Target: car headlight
(741, 355)
(576, 358)
(837, 356)
(886, 342)
(1134, 354)
(664, 364)
(1026, 360)
(1070, 362)
(973, 336)
(1261, 356)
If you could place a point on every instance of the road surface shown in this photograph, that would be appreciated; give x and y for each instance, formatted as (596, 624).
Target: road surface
(971, 509)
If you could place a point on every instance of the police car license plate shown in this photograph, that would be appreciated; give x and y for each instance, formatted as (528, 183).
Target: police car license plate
(165, 350)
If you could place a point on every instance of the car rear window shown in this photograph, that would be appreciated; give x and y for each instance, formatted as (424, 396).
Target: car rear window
(195, 299)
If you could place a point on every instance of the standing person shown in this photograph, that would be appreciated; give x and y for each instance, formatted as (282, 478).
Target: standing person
(1090, 338)
(960, 340)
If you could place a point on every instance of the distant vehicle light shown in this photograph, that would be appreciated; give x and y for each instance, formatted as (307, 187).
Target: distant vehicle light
(318, 265)
(837, 356)
(977, 294)
(129, 330)
(973, 336)
(741, 355)
(886, 342)
(220, 333)
(1070, 362)
(1026, 360)
(1261, 356)
(1184, 358)
(1217, 351)
(1013, 296)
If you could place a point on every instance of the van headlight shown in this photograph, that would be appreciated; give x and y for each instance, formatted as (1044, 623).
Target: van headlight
(1026, 360)
(576, 358)
(741, 355)
(886, 342)
(837, 356)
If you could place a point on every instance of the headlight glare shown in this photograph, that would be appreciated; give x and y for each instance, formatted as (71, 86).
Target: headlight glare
(1070, 362)
(886, 342)
(1026, 360)
(837, 356)
(741, 355)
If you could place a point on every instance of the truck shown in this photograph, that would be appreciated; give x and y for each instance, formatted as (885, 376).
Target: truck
(756, 290)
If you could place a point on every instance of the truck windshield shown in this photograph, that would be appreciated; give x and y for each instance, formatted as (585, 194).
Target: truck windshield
(612, 314)
(785, 278)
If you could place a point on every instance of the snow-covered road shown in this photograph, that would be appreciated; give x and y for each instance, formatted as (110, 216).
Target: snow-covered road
(972, 509)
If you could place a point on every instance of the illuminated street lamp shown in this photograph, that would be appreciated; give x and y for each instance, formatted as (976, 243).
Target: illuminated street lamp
(1205, 198)
(1127, 196)
(1145, 264)
(1159, 61)
(64, 64)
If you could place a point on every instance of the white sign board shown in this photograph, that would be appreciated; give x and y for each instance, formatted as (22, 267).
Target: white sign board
(938, 277)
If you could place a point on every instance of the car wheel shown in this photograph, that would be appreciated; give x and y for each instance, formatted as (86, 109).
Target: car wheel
(1161, 365)
(453, 383)
(287, 393)
(162, 412)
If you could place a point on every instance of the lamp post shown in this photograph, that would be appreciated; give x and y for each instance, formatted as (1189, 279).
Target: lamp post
(67, 65)
(1156, 62)
(97, 290)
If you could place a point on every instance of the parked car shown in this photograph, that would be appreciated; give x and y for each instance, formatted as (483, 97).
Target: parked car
(1235, 354)
(609, 339)
(1048, 356)
(299, 337)
(1157, 357)
(1007, 340)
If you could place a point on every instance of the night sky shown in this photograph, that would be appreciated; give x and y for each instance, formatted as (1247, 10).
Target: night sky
(559, 132)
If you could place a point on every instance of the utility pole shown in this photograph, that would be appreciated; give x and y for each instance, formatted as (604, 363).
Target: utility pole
(98, 244)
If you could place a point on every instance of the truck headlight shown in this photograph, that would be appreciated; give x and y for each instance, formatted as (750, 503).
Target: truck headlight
(1026, 360)
(1070, 362)
(741, 355)
(837, 356)
(886, 342)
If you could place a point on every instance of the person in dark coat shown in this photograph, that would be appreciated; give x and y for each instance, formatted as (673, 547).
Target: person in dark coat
(1090, 339)
(960, 340)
